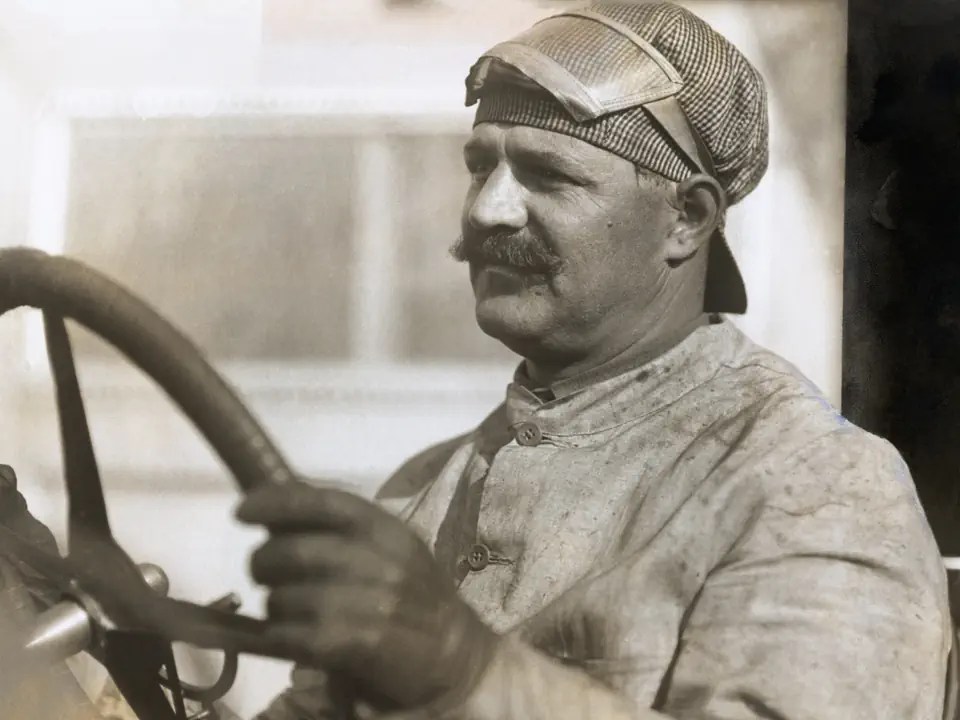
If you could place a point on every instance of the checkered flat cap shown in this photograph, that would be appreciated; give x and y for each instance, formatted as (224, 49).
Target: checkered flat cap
(598, 75)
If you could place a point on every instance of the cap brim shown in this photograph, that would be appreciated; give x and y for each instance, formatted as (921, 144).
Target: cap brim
(725, 290)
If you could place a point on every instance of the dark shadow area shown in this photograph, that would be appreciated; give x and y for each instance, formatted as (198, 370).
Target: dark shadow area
(902, 248)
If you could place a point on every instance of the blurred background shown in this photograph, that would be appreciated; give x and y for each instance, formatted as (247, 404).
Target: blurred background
(282, 179)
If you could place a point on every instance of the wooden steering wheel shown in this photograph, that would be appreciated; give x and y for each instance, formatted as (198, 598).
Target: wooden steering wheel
(132, 625)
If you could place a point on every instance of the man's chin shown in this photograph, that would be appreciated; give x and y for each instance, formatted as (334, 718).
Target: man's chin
(512, 305)
(513, 320)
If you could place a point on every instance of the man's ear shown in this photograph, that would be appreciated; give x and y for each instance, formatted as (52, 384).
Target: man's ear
(701, 204)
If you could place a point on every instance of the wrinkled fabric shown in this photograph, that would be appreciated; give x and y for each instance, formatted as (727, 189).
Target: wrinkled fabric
(702, 534)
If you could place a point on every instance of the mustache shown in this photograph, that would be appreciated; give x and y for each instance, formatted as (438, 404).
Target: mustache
(519, 249)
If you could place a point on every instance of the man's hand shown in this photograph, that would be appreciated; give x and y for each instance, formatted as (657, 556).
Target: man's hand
(354, 592)
(16, 517)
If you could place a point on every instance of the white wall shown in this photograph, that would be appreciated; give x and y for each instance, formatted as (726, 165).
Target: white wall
(788, 234)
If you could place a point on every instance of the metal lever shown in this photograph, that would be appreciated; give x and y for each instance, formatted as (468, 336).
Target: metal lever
(65, 629)
(229, 603)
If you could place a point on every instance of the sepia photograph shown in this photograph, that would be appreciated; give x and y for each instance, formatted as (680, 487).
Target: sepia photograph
(501, 360)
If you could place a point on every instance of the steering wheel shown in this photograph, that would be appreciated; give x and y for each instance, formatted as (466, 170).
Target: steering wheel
(133, 625)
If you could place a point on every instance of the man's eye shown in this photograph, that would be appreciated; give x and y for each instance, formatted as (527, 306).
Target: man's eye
(547, 174)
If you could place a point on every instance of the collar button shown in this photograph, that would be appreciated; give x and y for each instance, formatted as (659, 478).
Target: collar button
(528, 434)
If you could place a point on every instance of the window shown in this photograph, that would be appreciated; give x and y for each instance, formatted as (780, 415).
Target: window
(278, 239)
(243, 240)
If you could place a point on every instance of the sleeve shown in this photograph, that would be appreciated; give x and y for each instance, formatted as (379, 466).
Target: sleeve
(411, 478)
(832, 606)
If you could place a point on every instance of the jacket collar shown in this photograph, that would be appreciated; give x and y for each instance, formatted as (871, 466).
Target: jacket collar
(631, 385)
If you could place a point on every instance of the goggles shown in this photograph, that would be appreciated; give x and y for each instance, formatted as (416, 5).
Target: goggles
(593, 66)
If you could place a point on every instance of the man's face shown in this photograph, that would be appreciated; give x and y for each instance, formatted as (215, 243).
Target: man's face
(565, 246)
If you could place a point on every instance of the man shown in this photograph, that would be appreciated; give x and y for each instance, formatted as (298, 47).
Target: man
(662, 520)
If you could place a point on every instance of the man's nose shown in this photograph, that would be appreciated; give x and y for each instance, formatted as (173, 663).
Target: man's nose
(501, 202)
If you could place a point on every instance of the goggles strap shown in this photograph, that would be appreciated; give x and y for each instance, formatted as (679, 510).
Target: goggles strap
(673, 123)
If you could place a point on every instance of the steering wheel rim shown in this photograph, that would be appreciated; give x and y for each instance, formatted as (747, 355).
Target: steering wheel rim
(135, 626)
(74, 290)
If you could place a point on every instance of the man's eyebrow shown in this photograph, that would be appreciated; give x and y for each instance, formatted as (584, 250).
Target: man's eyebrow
(543, 157)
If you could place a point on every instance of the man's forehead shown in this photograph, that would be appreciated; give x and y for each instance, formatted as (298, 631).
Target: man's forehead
(512, 138)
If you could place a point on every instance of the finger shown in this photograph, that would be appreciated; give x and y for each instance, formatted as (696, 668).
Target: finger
(301, 557)
(331, 647)
(355, 605)
(302, 508)
(297, 505)
(369, 609)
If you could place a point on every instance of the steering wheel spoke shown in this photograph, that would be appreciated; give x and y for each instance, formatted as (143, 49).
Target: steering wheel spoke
(87, 518)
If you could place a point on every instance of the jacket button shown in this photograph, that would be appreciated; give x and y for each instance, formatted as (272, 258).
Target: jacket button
(528, 434)
(478, 557)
